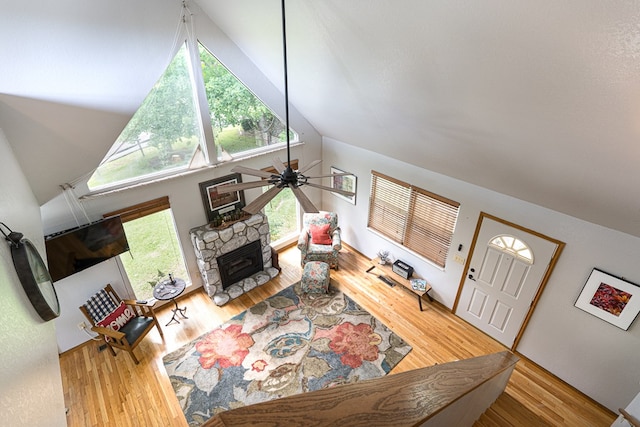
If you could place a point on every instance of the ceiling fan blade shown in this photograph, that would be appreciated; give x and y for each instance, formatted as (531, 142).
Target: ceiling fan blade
(309, 166)
(278, 164)
(230, 188)
(329, 176)
(253, 172)
(304, 201)
(260, 201)
(333, 190)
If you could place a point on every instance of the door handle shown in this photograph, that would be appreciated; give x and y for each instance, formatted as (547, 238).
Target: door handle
(471, 277)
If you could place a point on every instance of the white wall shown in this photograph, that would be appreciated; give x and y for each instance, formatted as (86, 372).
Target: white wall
(592, 355)
(30, 383)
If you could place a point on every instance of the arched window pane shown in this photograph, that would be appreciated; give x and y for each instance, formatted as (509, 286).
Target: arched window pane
(513, 246)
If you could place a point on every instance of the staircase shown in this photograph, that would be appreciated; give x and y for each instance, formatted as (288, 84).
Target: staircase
(508, 412)
(449, 394)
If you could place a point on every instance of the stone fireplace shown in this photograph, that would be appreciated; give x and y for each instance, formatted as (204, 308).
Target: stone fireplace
(243, 251)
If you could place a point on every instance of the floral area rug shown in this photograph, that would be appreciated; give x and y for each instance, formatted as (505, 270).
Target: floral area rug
(287, 344)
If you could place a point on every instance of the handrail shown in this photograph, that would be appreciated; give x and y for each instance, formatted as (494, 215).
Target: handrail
(630, 418)
(433, 394)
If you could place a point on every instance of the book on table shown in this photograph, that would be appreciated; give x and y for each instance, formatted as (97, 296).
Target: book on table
(418, 284)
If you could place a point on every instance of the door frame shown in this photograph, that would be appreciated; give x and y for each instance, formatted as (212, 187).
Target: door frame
(543, 283)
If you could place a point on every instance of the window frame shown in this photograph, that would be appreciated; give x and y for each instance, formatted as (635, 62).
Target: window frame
(293, 236)
(199, 152)
(141, 210)
(205, 153)
(416, 219)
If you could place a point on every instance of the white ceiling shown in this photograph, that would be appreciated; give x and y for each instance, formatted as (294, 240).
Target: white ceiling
(535, 99)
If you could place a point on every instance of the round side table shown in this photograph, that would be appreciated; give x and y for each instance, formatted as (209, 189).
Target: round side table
(169, 290)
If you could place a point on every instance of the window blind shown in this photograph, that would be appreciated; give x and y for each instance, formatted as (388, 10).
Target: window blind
(417, 219)
(141, 209)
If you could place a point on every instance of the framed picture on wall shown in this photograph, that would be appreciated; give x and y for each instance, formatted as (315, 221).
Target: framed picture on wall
(344, 182)
(610, 298)
(215, 204)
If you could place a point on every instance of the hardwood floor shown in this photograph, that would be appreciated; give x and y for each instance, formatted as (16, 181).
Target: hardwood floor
(101, 390)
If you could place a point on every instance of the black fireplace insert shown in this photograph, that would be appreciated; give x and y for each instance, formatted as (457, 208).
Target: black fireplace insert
(240, 263)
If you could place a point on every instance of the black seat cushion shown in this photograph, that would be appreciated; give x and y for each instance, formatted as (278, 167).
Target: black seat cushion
(136, 327)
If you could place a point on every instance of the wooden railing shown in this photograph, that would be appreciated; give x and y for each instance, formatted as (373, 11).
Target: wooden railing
(454, 393)
(630, 418)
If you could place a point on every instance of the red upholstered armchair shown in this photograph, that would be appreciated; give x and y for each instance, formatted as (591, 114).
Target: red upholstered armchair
(320, 238)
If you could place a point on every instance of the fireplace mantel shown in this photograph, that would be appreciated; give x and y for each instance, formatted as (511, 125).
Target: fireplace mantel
(209, 243)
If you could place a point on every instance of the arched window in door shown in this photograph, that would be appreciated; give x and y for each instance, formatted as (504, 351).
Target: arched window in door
(513, 246)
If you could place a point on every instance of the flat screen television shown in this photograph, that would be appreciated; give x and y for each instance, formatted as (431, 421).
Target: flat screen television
(74, 250)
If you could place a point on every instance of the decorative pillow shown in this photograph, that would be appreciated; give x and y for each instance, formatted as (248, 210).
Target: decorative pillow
(320, 234)
(117, 318)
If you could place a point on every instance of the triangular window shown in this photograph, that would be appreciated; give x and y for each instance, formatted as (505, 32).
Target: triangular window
(162, 136)
(239, 119)
(165, 135)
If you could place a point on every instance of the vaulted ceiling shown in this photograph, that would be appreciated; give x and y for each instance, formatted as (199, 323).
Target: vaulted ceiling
(539, 100)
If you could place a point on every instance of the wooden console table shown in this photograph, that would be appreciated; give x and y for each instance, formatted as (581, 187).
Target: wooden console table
(391, 278)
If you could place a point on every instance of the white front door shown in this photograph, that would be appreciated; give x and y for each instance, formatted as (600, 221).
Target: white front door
(502, 279)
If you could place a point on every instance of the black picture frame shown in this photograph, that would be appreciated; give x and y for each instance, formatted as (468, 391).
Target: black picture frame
(216, 205)
(610, 298)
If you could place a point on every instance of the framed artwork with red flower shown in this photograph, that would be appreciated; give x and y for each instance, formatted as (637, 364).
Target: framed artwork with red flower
(610, 298)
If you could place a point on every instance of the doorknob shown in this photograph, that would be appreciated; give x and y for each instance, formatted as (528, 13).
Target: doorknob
(471, 277)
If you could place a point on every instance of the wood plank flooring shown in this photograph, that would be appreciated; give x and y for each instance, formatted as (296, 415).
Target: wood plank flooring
(101, 390)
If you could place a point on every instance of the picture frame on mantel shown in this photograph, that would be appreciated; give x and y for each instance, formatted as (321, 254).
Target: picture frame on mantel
(610, 298)
(344, 182)
(216, 205)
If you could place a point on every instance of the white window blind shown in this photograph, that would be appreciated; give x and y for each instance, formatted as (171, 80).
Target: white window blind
(417, 219)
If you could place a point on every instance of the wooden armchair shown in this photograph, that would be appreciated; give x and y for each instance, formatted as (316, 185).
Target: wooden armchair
(120, 323)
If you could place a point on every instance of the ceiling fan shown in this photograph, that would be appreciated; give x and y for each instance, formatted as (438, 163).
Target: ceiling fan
(286, 176)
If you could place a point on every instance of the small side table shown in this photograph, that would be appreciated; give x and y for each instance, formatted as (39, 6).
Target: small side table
(170, 290)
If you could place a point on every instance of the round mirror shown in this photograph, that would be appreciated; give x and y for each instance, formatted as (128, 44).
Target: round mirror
(35, 279)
